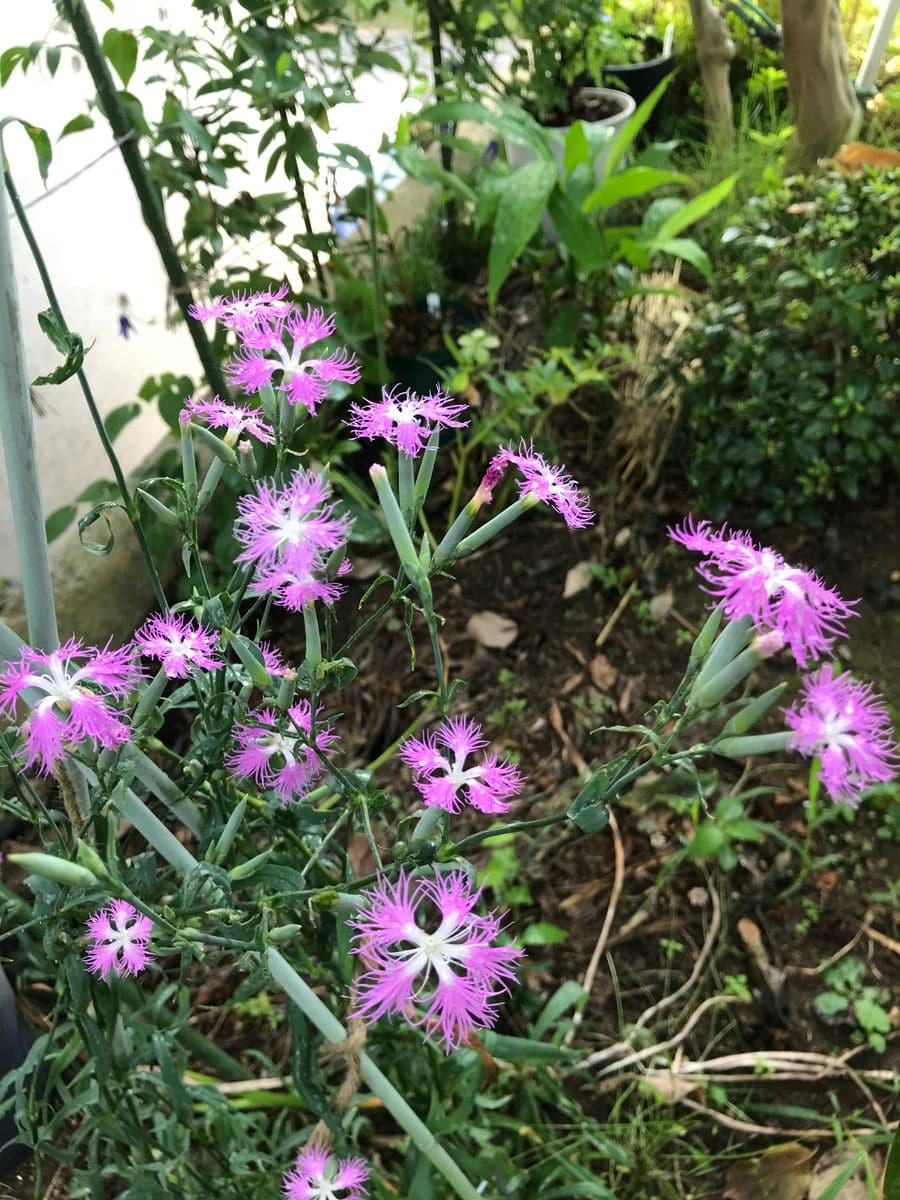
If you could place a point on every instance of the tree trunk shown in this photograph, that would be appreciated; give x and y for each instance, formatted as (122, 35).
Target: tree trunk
(715, 50)
(818, 72)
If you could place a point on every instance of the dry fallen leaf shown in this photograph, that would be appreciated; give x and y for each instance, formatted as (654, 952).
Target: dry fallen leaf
(661, 605)
(492, 630)
(668, 1087)
(603, 673)
(830, 1166)
(578, 578)
(572, 683)
(779, 1173)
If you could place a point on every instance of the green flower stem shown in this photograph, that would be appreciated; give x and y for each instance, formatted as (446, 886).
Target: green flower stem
(378, 1083)
(813, 788)
(730, 642)
(475, 839)
(718, 686)
(131, 509)
(158, 782)
(313, 638)
(210, 483)
(752, 744)
(454, 535)
(477, 539)
(407, 482)
(426, 468)
(17, 435)
(396, 525)
(188, 460)
(293, 170)
(154, 832)
(76, 13)
(150, 698)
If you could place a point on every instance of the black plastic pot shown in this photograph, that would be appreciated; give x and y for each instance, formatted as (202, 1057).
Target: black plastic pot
(639, 79)
(14, 1047)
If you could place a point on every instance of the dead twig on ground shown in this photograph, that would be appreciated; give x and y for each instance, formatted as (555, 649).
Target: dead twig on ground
(590, 974)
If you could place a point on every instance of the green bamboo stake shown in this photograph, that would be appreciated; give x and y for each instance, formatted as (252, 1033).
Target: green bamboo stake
(378, 1083)
(17, 434)
(75, 11)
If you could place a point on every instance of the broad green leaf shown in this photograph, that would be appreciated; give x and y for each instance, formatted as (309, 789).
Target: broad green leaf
(76, 125)
(576, 150)
(419, 166)
(636, 181)
(577, 232)
(695, 209)
(625, 137)
(708, 840)
(121, 48)
(871, 1015)
(567, 996)
(42, 147)
(11, 58)
(116, 421)
(830, 1003)
(687, 249)
(542, 933)
(507, 119)
(59, 521)
(67, 343)
(892, 1171)
(522, 201)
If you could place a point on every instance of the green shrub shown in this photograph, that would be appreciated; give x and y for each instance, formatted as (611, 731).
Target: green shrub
(790, 374)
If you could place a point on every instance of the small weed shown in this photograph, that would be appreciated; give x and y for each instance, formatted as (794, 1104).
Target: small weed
(863, 1003)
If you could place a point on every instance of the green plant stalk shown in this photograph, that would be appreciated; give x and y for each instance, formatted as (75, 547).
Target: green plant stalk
(407, 487)
(131, 508)
(378, 1083)
(161, 839)
(158, 782)
(426, 468)
(76, 13)
(17, 434)
(812, 808)
(293, 171)
(496, 525)
(377, 283)
(210, 482)
(427, 823)
(313, 637)
(150, 698)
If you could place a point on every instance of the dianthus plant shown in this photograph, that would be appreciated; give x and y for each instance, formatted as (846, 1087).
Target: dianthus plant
(222, 821)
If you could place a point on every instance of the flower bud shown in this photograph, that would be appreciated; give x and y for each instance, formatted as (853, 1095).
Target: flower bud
(60, 870)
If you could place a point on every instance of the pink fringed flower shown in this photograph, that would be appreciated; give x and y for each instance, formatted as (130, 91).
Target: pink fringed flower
(429, 956)
(75, 705)
(294, 588)
(551, 485)
(847, 725)
(318, 1175)
(118, 935)
(292, 526)
(265, 352)
(405, 419)
(278, 754)
(179, 643)
(756, 582)
(244, 308)
(235, 419)
(443, 778)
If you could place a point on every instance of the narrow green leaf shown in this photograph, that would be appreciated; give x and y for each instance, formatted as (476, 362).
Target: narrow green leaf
(625, 137)
(76, 125)
(578, 233)
(42, 148)
(892, 1171)
(687, 249)
(835, 1188)
(635, 181)
(121, 48)
(695, 209)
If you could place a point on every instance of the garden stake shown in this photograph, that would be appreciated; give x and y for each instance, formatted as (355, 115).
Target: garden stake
(331, 1028)
(17, 433)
